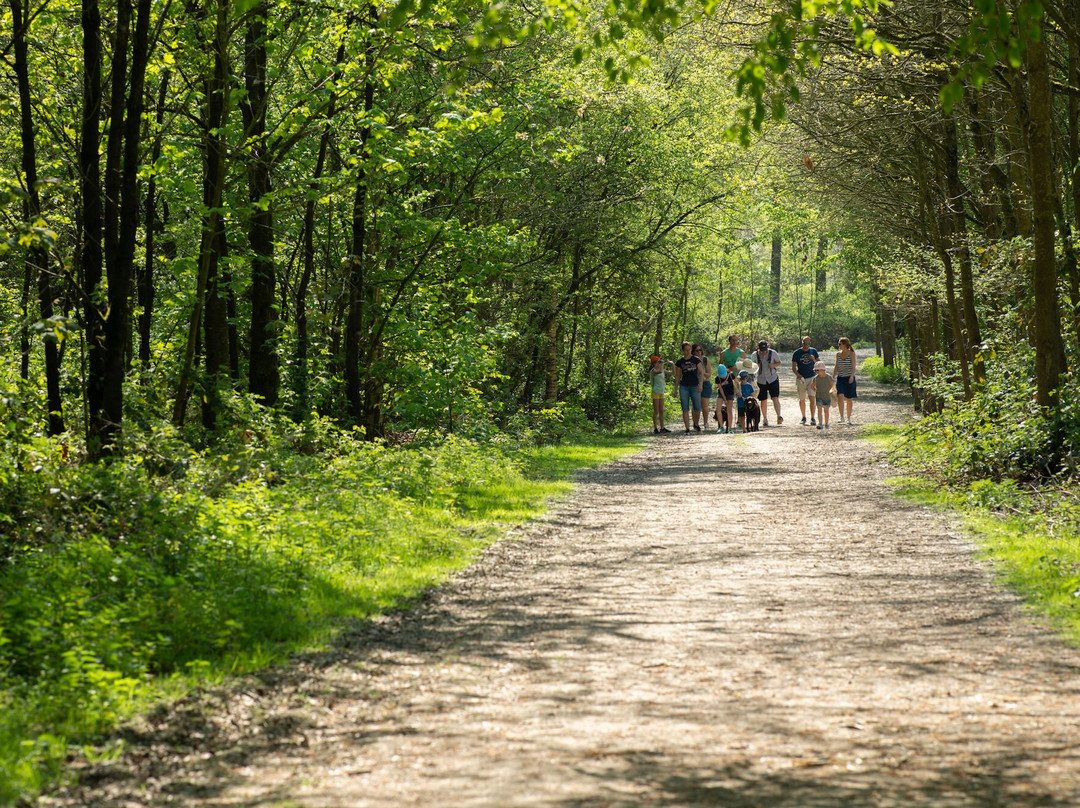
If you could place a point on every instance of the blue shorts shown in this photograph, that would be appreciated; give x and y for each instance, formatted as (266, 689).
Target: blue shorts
(824, 402)
(687, 395)
(706, 389)
(741, 406)
(846, 388)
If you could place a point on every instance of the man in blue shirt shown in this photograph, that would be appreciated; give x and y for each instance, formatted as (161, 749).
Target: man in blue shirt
(802, 365)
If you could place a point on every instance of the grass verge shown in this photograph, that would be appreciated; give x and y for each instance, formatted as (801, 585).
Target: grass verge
(147, 587)
(1030, 536)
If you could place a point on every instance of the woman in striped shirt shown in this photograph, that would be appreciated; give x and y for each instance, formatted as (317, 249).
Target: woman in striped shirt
(844, 373)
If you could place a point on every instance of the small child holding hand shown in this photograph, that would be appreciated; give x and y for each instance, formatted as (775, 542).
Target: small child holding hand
(822, 386)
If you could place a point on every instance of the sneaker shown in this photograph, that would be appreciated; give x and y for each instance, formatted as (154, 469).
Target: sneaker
(819, 426)
(850, 422)
(779, 420)
(803, 421)
(764, 421)
(664, 429)
(655, 431)
(688, 432)
(826, 426)
(697, 427)
(812, 422)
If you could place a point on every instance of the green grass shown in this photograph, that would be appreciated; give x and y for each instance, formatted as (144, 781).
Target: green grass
(1036, 555)
(1035, 550)
(159, 587)
(883, 435)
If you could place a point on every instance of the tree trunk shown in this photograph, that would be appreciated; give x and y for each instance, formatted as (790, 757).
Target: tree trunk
(303, 397)
(214, 150)
(92, 257)
(1049, 350)
(38, 254)
(24, 326)
(144, 282)
(820, 276)
(1074, 127)
(551, 360)
(938, 225)
(215, 310)
(1016, 134)
(122, 204)
(914, 351)
(301, 384)
(983, 141)
(719, 309)
(957, 194)
(774, 289)
(112, 400)
(888, 337)
(358, 292)
(374, 386)
(658, 338)
(263, 374)
(1074, 180)
(684, 304)
(572, 346)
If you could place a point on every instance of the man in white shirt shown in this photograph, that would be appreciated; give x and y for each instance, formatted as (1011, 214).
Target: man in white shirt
(768, 381)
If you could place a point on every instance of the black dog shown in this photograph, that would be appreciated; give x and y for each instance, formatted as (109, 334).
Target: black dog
(753, 415)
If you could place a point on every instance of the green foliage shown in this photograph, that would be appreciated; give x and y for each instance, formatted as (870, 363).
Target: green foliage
(174, 563)
(876, 369)
(1030, 534)
(1000, 434)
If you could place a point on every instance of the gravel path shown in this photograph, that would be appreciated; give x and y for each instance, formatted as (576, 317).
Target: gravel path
(719, 620)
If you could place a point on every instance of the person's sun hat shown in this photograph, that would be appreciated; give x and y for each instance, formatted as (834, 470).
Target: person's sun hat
(819, 366)
(654, 359)
(748, 364)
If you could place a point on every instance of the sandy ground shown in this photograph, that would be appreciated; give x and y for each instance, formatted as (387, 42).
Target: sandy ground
(719, 620)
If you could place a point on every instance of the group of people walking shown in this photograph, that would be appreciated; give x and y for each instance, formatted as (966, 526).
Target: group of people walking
(695, 376)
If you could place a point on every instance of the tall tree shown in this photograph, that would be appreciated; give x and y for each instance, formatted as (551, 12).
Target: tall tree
(38, 253)
(264, 372)
(776, 264)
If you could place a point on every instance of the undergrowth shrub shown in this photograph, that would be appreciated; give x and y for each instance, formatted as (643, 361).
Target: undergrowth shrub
(1000, 433)
(876, 369)
(175, 559)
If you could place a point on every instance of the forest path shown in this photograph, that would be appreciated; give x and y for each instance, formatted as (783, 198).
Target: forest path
(718, 620)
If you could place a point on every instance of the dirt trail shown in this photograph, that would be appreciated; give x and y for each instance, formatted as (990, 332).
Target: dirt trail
(719, 620)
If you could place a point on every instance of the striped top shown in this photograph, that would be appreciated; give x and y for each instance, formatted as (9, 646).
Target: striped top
(845, 366)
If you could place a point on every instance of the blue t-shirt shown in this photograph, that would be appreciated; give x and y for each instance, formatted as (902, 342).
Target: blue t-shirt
(747, 389)
(804, 359)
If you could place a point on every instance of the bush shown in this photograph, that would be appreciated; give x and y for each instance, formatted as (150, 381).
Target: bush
(170, 560)
(876, 369)
(1000, 433)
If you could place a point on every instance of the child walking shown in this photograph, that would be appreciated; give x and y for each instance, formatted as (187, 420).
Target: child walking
(725, 396)
(822, 385)
(744, 390)
(659, 373)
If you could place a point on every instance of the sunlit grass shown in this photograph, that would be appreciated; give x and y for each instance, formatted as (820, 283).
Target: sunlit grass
(1039, 562)
(265, 571)
(883, 435)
